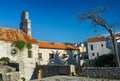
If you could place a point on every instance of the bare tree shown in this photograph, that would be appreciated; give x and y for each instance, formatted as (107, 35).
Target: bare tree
(94, 15)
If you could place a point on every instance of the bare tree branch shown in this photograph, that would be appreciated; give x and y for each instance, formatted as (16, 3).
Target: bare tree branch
(94, 15)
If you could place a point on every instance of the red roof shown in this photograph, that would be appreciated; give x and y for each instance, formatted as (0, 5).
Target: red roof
(96, 39)
(8, 34)
(55, 46)
(118, 35)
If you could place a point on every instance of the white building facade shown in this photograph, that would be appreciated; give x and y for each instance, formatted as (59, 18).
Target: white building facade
(55, 53)
(26, 62)
(97, 47)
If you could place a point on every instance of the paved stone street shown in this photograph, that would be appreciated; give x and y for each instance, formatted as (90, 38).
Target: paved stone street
(71, 78)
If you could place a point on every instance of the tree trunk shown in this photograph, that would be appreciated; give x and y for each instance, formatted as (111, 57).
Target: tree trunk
(115, 47)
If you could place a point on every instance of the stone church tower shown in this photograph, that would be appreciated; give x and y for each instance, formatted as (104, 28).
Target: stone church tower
(25, 24)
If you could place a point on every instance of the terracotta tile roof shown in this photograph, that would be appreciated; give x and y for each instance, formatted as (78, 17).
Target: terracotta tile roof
(97, 39)
(118, 35)
(9, 34)
(55, 46)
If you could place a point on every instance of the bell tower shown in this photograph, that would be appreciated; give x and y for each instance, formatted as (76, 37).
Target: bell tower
(25, 24)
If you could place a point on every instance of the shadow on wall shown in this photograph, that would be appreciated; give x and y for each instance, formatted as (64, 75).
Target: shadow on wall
(35, 74)
(71, 60)
(58, 60)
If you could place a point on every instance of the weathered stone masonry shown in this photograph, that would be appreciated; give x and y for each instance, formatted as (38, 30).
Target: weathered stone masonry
(102, 72)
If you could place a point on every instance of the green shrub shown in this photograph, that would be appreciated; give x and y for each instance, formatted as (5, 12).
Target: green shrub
(23, 79)
(20, 44)
(1, 79)
(106, 60)
(6, 59)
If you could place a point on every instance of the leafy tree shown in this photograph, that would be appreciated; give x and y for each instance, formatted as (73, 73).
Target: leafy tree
(94, 15)
(106, 60)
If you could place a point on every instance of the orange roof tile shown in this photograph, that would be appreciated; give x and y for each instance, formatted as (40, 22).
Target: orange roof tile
(55, 46)
(8, 34)
(96, 39)
(118, 35)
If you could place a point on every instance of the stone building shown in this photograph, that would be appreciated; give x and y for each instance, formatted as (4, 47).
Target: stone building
(26, 63)
(41, 53)
(96, 47)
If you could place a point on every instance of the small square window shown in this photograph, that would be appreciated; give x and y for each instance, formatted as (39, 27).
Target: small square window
(51, 56)
(40, 55)
(64, 56)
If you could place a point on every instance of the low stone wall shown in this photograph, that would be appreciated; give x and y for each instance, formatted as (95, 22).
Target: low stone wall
(48, 70)
(101, 72)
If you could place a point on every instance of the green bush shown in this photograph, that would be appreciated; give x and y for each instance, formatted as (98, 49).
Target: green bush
(20, 44)
(23, 79)
(1, 79)
(106, 60)
(6, 59)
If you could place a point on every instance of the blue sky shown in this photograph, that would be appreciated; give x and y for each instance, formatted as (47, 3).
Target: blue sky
(56, 20)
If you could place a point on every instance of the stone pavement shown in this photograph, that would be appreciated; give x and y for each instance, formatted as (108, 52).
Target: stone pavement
(71, 78)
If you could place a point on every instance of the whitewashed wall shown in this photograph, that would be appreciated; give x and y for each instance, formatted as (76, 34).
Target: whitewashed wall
(97, 48)
(57, 56)
(27, 65)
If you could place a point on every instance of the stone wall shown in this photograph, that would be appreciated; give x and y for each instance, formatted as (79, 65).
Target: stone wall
(51, 70)
(11, 76)
(101, 72)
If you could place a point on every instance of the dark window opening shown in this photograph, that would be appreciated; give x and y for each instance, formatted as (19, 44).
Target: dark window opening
(101, 45)
(91, 46)
(29, 54)
(93, 54)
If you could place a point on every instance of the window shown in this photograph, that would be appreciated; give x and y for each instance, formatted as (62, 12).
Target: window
(29, 54)
(91, 47)
(97, 54)
(51, 56)
(40, 55)
(101, 45)
(64, 56)
(93, 54)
